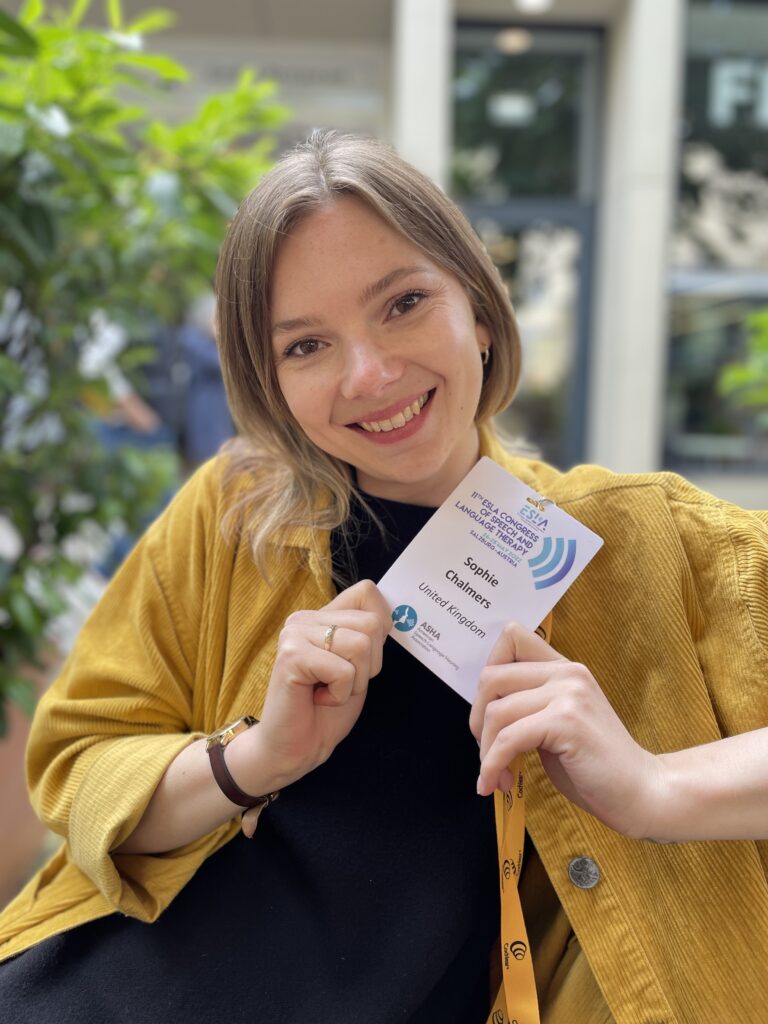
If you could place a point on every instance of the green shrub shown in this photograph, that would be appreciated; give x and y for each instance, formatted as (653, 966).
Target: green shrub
(746, 383)
(102, 208)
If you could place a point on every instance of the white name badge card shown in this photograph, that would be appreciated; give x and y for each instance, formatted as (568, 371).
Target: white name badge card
(493, 553)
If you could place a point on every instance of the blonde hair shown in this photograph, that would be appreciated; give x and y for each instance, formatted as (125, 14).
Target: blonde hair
(292, 482)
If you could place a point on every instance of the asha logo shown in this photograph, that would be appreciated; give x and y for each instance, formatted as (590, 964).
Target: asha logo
(553, 562)
(404, 618)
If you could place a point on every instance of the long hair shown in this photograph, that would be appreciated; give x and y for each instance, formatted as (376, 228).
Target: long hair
(291, 481)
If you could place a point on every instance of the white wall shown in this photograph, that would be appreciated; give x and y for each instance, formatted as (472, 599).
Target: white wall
(643, 81)
(422, 57)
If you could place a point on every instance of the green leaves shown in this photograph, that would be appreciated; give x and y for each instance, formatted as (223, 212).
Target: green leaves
(102, 207)
(33, 10)
(115, 11)
(79, 10)
(24, 612)
(15, 40)
(746, 382)
(152, 21)
(165, 68)
(21, 692)
(13, 139)
(17, 237)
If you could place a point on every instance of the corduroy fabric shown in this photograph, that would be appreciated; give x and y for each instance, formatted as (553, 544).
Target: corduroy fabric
(671, 617)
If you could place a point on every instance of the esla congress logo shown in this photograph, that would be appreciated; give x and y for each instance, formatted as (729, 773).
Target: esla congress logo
(553, 562)
(404, 618)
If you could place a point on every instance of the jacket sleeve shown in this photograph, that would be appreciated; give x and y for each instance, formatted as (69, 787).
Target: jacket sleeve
(122, 709)
(726, 549)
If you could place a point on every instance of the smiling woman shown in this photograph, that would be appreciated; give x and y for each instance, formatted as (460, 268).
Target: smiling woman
(367, 341)
(408, 339)
(344, 355)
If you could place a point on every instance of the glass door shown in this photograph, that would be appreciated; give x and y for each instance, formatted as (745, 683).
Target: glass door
(526, 115)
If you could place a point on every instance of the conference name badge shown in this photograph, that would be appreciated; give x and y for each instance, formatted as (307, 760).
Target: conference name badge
(493, 553)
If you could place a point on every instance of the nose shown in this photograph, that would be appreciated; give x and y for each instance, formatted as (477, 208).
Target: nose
(369, 369)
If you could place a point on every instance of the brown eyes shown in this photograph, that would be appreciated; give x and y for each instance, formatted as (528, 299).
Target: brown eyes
(410, 300)
(403, 304)
(302, 348)
(306, 347)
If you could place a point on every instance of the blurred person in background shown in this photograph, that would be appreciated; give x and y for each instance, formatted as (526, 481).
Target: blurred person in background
(207, 423)
(367, 341)
(181, 402)
(128, 420)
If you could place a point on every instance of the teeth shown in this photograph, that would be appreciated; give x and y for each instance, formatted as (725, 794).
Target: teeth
(398, 420)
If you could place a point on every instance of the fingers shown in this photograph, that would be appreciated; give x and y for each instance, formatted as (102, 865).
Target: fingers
(555, 707)
(518, 660)
(365, 596)
(340, 665)
(507, 710)
(524, 692)
(250, 819)
(516, 643)
(498, 681)
(335, 678)
(358, 649)
(344, 668)
(356, 639)
(527, 734)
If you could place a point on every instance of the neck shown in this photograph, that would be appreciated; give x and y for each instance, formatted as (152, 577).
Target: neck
(430, 491)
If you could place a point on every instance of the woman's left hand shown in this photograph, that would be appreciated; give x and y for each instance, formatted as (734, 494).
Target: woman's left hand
(532, 698)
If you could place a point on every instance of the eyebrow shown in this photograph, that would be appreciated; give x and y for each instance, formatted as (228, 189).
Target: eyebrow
(366, 295)
(372, 290)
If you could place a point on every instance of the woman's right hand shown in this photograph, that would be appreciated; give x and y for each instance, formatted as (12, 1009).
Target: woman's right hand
(315, 696)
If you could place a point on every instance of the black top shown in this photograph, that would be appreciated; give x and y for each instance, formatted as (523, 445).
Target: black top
(368, 893)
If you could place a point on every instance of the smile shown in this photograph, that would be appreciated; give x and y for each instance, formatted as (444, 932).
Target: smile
(399, 420)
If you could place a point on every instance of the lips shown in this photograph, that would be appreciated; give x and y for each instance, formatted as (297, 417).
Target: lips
(397, 420)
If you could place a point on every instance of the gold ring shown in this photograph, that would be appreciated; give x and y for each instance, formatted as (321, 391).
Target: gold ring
(328, 637)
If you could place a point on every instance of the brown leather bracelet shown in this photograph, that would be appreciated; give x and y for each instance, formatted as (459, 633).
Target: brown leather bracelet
(227, 784)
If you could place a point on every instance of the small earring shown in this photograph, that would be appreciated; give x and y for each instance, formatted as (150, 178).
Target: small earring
(486, 355)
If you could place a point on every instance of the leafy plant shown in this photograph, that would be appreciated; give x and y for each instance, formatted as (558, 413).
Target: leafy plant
(105, 212)
(746, 382)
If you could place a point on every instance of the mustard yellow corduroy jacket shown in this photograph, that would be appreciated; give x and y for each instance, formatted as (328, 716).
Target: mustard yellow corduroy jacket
(671, 617)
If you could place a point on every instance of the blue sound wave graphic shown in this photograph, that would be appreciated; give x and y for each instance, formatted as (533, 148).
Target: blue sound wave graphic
(553, 562)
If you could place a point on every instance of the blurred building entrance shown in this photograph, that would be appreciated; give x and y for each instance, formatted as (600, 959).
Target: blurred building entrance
(526, 106)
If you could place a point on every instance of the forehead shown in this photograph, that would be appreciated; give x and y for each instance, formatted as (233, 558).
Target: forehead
(344, 243)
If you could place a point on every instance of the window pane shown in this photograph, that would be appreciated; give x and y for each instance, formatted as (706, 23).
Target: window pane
(524, 113)
(540, 267)
(704, 426)
(719, 276)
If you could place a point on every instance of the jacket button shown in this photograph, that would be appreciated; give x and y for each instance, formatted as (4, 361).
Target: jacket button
(584, 872)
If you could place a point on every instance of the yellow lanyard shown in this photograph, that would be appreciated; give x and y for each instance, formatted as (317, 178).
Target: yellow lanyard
(516, 1002)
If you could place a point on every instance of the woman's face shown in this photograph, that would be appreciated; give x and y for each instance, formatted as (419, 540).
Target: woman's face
(377, 353)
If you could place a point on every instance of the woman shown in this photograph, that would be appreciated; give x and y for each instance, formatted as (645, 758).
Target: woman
(366, 341)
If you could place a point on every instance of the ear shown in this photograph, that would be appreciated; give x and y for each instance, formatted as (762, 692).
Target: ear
(483, 336)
